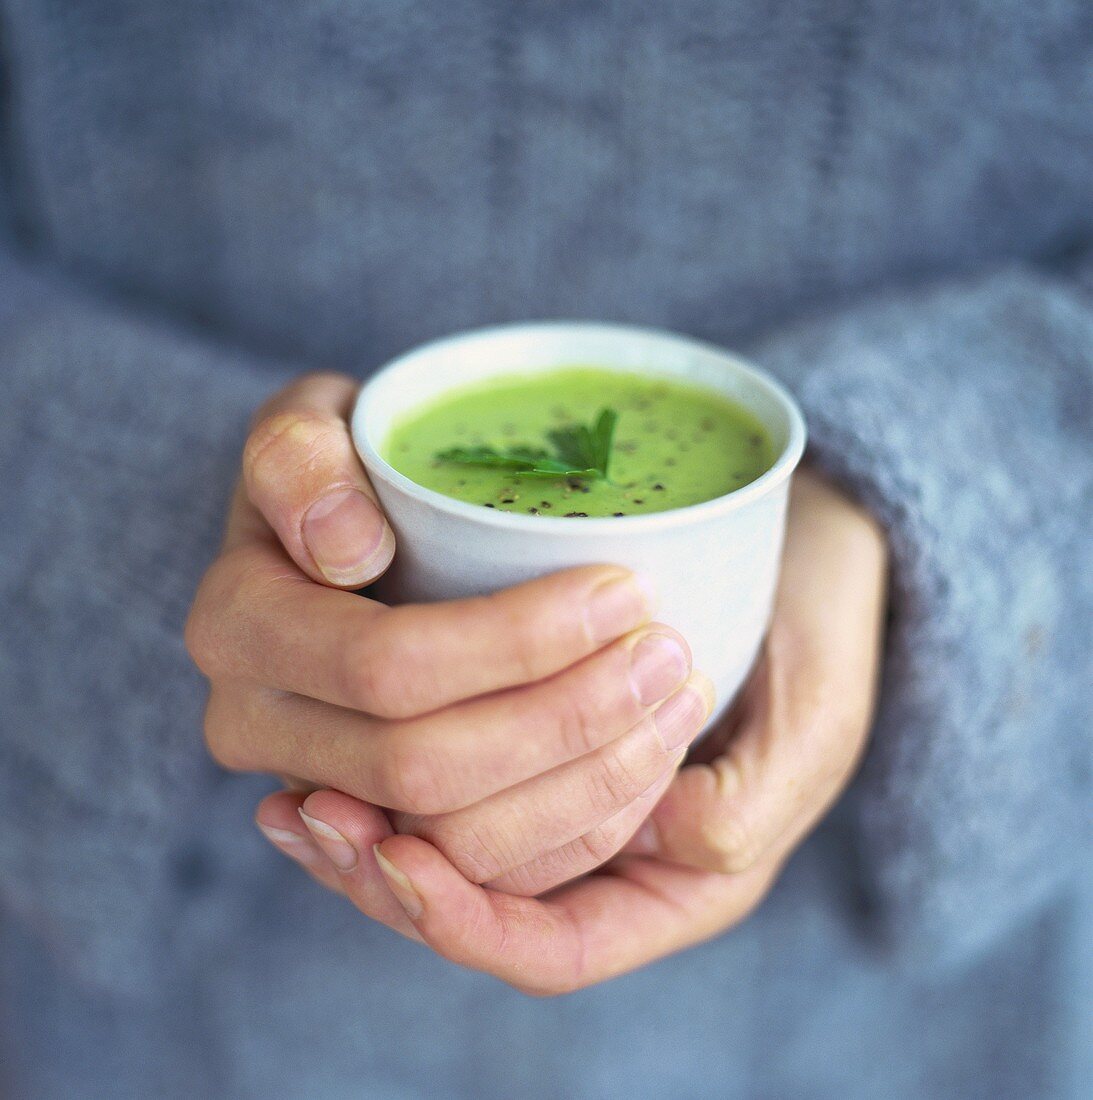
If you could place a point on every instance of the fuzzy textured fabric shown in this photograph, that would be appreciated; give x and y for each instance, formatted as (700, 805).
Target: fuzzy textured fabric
(890, 205)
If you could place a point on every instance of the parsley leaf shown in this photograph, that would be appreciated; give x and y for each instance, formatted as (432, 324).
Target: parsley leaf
(580, 450)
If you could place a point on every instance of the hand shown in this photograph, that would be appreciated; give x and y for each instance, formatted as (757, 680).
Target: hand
(725, 826)
(525, 734)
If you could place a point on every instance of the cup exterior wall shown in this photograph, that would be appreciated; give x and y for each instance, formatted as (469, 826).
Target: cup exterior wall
(715, 573)
(715, 579)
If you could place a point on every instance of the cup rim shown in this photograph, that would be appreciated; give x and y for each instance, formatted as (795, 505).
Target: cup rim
(780, 470)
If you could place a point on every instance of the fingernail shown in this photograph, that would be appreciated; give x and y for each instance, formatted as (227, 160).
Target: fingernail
(300, 848)
(618, 606)
(400, 885)
(646, 841)
(679, 718)
(338, 850)
(658, 665)
(346, 533)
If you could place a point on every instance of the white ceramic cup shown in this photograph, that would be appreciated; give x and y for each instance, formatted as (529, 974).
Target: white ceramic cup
(714, 565)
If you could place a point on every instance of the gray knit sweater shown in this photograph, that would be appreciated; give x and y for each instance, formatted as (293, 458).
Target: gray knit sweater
(887, 203)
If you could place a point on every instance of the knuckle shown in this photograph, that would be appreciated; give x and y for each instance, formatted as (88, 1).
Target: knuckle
(379, 673)
(367, 677)
(221, 732)
(732, 845)
(600, 844)
(525, 880)
(410, 781)
(285, 443)
(205, 635)
(613, 782)
(199, 640)
(468, 847)
(524, 646)
(220, 629)
(579, 729)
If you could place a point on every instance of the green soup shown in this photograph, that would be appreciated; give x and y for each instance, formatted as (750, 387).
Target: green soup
(675, 444)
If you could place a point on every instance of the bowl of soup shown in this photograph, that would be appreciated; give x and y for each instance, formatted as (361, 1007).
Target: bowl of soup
(509, 452)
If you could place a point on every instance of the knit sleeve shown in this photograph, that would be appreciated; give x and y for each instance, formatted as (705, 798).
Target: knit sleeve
(119, 440)
(961, 416)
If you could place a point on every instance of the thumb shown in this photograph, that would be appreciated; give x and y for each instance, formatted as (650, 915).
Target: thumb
(301, 471)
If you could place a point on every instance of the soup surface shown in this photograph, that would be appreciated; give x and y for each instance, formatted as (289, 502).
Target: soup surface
(674, 443)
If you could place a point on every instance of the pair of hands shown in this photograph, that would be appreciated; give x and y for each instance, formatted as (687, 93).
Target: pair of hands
(501, 777)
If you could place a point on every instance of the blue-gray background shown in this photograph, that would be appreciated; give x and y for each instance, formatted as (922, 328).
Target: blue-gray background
(888, 203)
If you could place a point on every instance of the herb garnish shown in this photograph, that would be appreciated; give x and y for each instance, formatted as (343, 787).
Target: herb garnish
(580, 451)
